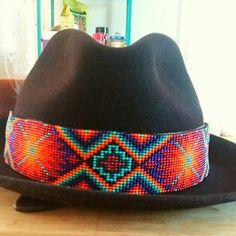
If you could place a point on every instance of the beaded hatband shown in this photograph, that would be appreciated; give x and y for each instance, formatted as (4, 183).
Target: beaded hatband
(108, 161)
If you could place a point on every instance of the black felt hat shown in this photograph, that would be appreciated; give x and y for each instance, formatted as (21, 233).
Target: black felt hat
(144, 88)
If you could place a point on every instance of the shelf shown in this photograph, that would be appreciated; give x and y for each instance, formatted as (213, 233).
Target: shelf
(39, 22)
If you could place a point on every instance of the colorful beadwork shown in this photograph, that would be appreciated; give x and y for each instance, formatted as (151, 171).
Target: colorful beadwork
(108, 161)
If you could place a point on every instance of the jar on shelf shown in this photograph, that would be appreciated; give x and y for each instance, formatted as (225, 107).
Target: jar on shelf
(118, 41)
(101, 35)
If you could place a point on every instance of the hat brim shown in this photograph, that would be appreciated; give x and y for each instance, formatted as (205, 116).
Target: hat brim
(218, 187)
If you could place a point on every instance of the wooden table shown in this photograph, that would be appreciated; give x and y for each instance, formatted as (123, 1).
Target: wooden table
(214, 220)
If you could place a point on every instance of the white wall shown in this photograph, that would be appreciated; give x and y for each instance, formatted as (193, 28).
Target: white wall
(208, 42)
(17, 38)
(155, 16)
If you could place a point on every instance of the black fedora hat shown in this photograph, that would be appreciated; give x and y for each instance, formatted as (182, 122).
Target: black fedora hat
(103, 125)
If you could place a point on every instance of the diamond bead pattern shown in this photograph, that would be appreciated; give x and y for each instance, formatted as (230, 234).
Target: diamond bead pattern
(108, 161)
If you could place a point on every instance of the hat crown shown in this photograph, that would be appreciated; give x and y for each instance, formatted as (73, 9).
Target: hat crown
(79, 83)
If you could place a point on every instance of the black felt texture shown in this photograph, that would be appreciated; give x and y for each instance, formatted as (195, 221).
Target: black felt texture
(79, 83)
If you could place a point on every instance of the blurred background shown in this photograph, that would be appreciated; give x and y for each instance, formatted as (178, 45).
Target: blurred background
(205, 31)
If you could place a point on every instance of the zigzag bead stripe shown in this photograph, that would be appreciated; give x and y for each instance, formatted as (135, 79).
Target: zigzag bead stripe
(108, 161)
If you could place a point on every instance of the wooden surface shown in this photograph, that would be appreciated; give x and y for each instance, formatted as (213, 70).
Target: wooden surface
(214, 220)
